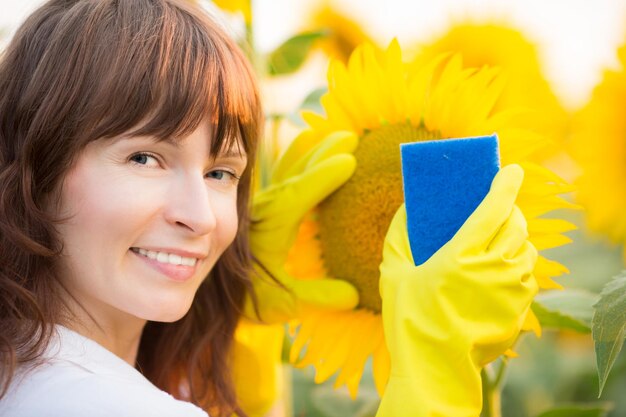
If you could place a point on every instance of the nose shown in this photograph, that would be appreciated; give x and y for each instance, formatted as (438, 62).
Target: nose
(189, 205)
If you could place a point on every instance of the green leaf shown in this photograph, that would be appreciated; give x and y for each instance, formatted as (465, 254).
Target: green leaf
(565, 309)
(311, 102)
(609, 325)
(289, 56)
(578, 411)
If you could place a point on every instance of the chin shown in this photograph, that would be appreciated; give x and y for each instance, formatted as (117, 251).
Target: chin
(167, 312)
(171, 318)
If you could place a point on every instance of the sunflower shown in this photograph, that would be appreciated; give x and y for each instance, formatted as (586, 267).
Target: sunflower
(500, 45)
(599, 146)
(343, 34)
(386, 102)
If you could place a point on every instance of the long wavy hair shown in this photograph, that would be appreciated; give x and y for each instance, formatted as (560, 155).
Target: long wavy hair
(84, 70)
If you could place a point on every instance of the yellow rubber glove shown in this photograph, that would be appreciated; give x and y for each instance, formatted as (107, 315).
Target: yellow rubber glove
(447, 318)
(299, 183)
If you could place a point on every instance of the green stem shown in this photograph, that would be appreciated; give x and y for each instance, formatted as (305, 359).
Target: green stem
(269, 151)
(249, 47)
(491, 393)
(500, 373)
(492, 385)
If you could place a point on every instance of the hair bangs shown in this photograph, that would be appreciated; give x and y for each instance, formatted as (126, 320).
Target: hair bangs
(176, 69)
(192, 77)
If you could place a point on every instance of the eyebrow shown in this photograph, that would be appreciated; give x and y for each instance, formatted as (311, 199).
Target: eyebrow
(168, 141)
(230, 153)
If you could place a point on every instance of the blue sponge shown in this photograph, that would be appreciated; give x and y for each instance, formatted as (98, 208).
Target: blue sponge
(444, 181)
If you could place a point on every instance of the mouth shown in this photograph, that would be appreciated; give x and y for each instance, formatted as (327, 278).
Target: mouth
(166, 258)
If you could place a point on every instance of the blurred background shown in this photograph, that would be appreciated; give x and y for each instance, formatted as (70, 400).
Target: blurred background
(576, 39)
(570, 48)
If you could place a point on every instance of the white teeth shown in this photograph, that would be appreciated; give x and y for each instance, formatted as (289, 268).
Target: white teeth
(175, 259)
(166, 258)
(188, 261)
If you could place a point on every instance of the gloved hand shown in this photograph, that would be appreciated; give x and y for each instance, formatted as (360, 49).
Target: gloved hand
(447, 318)
(298, 184)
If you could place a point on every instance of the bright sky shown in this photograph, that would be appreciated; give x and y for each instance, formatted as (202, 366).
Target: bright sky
(577, 38)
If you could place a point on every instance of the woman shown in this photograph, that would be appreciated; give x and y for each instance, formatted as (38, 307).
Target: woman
(127, 134)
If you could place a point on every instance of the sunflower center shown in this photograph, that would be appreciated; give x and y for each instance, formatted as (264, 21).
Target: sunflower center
(354, 220)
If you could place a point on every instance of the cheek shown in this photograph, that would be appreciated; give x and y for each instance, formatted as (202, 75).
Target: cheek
(103, 211)
(227, 220)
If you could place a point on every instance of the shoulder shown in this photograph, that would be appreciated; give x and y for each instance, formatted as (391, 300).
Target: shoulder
(70, 385)
(62, 389)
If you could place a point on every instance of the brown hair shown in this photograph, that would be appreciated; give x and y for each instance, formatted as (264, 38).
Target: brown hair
(84, 70)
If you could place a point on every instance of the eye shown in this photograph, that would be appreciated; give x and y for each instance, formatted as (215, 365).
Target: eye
(144, 158)
(222, 175)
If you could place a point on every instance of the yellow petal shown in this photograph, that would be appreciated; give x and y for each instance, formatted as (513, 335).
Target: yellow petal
(531, 323)
(542, 242)
(511, 354)
(545, 269)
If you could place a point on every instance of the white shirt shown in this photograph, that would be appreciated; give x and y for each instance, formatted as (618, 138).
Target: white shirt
(82, 378)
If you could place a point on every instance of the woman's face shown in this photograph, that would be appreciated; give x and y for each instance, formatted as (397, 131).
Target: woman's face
(148, 221)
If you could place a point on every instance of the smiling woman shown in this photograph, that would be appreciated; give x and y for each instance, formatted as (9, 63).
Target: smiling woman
(125, 131)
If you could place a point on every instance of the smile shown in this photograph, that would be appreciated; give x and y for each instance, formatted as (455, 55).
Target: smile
(166, 258)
